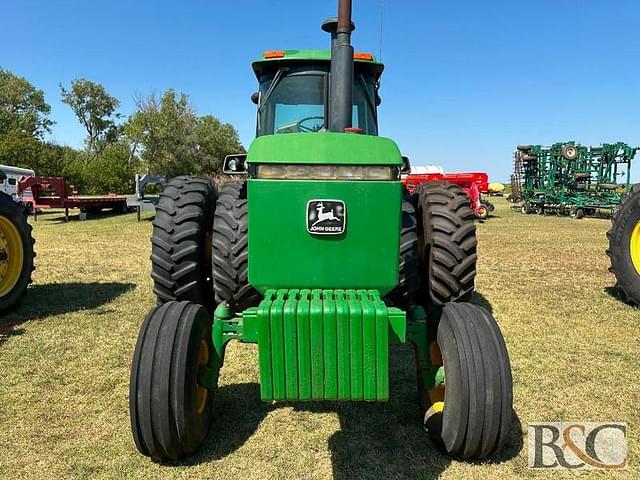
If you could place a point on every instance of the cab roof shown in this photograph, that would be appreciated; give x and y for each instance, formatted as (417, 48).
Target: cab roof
(271, 58)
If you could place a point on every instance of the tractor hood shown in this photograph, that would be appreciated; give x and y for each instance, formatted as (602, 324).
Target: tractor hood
(324, 148)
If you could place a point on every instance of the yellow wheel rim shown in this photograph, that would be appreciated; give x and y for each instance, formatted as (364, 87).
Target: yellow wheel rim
(202, 393)
(634, 247)
(11, 256)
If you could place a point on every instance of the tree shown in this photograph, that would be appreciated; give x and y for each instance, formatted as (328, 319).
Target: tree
(75, 169)
(20, 149)
(163, 129)
(173, 140)
(111, 172)
(23, 109)
(215, 140)
(23, 121)
(96, 111)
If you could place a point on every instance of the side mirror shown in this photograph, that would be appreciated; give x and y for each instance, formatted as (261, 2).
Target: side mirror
(235, 164)
(255, 97)
(406, 166)
(378, 100)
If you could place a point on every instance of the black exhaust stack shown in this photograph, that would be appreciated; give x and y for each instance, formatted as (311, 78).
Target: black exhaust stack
(341, 83)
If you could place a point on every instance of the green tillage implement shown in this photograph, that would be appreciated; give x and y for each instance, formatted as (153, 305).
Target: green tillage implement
(323, 260)
(571, 178)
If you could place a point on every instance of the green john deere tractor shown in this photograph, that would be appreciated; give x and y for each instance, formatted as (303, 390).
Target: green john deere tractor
(16, 252)
(322, 259)
(624, 246)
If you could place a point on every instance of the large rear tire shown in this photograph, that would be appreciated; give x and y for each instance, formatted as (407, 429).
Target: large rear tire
(448, 243)
(181, 241)
(624, 246)
(231, 249)
(170, 412)
(16, 253)
(408, 277)
(474, 418)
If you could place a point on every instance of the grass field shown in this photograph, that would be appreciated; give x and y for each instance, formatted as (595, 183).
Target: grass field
(65, 358)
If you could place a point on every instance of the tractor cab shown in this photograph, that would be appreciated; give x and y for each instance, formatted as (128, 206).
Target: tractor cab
(293, 94)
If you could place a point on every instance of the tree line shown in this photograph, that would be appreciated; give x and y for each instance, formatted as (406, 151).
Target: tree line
(164, 136)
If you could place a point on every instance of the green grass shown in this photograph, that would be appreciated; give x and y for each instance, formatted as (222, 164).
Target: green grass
(65, 358)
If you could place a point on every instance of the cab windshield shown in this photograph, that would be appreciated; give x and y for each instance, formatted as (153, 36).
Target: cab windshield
(295, 101)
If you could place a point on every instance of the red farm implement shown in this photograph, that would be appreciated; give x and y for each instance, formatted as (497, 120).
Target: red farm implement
(38, 193)
(474, 185)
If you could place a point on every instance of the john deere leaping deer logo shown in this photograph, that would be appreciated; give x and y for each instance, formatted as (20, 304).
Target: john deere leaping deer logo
(323, 216)
(326, 217)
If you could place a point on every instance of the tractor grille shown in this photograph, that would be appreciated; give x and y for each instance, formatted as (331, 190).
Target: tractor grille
(325, 344)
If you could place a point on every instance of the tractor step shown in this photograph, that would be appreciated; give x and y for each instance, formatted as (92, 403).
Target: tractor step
(324, 344)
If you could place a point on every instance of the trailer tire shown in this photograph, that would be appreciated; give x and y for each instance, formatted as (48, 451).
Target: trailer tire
(488, 205)
(447, 252)
(231, 249)
(474, 419)
(16, 253)
(28, 208)
(181, 241)
(170, 412)
(624, 246)
(408, 278)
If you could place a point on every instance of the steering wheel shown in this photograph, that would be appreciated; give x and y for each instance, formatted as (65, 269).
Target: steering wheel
(314, 128)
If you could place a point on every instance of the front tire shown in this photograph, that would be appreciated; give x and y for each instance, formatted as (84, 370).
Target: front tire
(474, 419)
(181, 241)
(624, 246)
(170, 412)
(16, 253)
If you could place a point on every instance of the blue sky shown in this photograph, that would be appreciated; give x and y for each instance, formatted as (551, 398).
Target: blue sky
(465, 81)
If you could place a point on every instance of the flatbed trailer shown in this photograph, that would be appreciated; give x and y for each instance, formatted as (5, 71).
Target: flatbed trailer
(55, 192)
